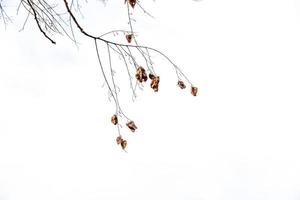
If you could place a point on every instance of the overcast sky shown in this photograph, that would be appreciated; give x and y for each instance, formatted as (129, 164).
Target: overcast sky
(238, 140)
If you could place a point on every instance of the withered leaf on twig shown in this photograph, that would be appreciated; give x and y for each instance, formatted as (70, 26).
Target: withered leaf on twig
(123, 144)
(155, 83)
(131, 2)
(131, 125)
(194, 91)
(114, 119)
(141, 74)
(181, 84)
(129, 37)
(151, 76)
(119, 139)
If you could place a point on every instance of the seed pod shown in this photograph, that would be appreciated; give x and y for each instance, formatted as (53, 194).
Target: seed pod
(123, 144)
(181, 84)
(155, 83)
(131, 125)
(129, 37)
(119, 140)
(194, 91)
(114, 119)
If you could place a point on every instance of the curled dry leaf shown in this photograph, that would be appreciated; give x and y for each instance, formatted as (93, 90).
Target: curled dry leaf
(131, 125)
(181, 84)
(131, 2)
(119, 139)
(151, 76)
(194, 91)
(129, 37)
(114, 119)
(155, 83)
(141, 74)
(123, 144)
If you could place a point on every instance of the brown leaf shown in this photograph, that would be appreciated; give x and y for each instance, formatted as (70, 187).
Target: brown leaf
(181, 84)
(124, 144)
(131, 125)
(132, 3)
(129, 37)
(141, 74)
(151, 76)
(114, 119)
(119, 140)
(155, 83)
(194, 91)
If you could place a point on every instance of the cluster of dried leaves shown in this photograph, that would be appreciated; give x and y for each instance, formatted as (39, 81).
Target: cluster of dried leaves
(194, 90)
(49, 21)
(131, 125)
(141, 76)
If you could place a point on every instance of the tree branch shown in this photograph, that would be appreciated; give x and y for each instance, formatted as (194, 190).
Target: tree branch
(38, 23)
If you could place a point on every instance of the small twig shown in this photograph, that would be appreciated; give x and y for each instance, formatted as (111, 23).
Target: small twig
(38, 23)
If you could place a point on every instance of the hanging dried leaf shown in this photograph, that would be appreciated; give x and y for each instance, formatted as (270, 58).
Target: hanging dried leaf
(131, 125)
(151, 76)
(119, 140)
(129, 37)
(194, 91)
(155, 83)
(132, 3)
(141, 74)
(114, 119)
(181, 84)
(123, 144)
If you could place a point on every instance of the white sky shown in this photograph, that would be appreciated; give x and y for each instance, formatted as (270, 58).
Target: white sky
(238, 140)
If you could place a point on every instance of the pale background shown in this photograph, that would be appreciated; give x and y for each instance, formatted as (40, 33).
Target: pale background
(238, 140)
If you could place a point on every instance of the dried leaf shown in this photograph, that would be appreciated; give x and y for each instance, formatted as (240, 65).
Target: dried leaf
(141, 75)
(155, 83)
(119, 140)
(194, 91)
(151, 76)
(131, 125)
(114, 119)
(129, 37)
(132, 3)
(181, 84)
(123, 144)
